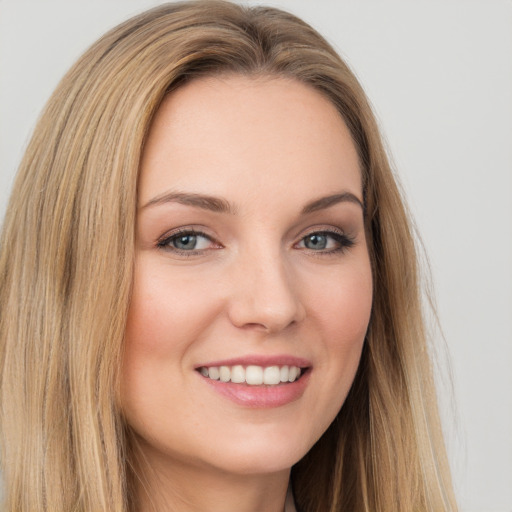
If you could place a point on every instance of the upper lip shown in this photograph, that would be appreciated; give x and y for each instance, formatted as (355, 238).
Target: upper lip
(259, 360)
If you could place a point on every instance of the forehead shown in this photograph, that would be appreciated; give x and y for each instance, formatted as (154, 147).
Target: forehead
(255, 133)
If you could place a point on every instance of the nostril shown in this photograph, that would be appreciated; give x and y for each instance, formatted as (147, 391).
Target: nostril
(258, 314)
(265, 296)
(254, 326)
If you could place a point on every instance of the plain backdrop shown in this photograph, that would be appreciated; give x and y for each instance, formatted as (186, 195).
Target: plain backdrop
(439, 74)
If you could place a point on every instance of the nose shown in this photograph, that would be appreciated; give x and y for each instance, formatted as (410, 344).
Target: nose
(265, 294)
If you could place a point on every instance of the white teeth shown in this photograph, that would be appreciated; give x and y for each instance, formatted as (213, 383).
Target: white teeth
(213, 373)
(252, 375)
(271, 375)
(293, 373)
(238, 374)
(224, 373)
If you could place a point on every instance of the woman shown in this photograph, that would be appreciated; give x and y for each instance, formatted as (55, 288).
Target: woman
(208, 284)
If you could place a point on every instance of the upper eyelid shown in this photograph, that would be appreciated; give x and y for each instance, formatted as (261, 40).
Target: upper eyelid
(184, 231)
(325, 232)
(164, 243)
(203, 231)
(326, 229)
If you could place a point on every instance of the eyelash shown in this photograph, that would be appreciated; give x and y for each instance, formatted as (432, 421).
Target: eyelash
(343, 241)
(165, 242)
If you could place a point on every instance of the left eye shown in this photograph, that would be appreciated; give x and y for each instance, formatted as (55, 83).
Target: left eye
(325, 241)
(188, 241)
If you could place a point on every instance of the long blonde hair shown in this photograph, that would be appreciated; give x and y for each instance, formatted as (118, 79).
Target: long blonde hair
(66, 270)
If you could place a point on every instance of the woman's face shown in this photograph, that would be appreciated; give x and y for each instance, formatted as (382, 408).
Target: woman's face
(251, 263)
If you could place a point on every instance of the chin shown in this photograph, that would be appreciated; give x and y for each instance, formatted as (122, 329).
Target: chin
(258, 463)
(261, 454)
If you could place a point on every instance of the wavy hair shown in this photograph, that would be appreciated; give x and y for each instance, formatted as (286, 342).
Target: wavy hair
(66, 264)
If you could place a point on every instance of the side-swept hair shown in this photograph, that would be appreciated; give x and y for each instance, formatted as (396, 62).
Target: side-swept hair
(66, 268)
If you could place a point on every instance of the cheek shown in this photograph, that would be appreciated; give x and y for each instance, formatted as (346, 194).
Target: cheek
(342, 313)
(343, 306)
(339, 312)
(165, 317)
(167, 310)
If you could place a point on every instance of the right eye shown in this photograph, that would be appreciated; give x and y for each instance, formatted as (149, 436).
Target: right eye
(187, 241)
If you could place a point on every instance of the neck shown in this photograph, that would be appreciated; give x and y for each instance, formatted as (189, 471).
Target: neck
(184, 487)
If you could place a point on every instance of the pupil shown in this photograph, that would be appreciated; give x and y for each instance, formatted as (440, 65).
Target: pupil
(185, 242)
(316, 242)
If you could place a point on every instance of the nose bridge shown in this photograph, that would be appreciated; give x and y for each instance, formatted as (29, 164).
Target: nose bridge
(265, 292)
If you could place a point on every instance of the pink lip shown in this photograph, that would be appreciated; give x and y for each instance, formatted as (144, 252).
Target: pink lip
(260, 397)
(259, 360)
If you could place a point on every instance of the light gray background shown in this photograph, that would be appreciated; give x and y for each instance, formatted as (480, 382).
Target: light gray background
(439, 74)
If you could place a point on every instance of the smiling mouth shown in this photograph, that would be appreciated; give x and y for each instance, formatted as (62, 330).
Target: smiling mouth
(253, 375)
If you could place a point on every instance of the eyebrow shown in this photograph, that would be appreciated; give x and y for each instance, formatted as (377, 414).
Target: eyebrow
(220, 205)
(214, 204)
(328, 201)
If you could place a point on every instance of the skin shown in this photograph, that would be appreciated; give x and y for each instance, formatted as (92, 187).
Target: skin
(254, 285)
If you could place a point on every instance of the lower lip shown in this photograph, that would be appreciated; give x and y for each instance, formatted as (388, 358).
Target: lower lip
(261, 396)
